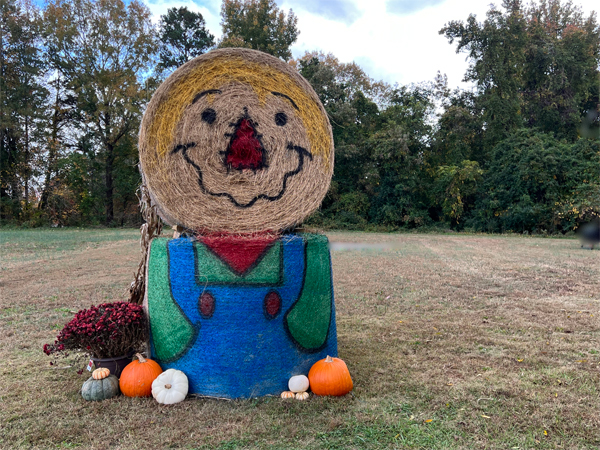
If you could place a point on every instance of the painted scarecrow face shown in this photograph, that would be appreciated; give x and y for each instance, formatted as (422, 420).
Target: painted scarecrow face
(236, 141)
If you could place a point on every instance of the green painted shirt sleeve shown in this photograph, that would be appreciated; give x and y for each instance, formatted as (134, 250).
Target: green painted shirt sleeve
(172, 332)
(309, 318)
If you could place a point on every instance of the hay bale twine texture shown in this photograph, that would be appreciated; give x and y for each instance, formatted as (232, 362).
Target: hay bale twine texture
(236, 141)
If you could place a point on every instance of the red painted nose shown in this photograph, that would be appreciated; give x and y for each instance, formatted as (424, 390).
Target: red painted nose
(245, 149)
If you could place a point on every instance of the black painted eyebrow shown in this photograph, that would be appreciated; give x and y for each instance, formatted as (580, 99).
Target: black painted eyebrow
(203, 93)
(279, 94)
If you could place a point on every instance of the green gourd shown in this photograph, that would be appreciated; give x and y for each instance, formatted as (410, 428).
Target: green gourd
(100, 389)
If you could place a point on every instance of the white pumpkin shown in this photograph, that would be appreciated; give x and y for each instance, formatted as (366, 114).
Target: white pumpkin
(298, 383)
(170, 387)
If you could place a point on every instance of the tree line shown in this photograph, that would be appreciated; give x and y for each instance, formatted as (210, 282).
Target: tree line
(520, 151)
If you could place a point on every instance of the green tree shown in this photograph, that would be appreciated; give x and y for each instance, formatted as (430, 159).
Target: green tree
(400, 152)
(260, 25)
(60, 113)
(456, 157)
(456, 187)
(348, 95)
(21, 101)
(561, 70)
(534, 67)
(496, 49)
(579, 202)
(459, 131)
(536, 182)
(183, 36)
(382, 137)
(104, 50)
(536, 72)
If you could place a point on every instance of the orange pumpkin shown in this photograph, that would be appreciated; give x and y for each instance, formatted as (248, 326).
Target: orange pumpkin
(330, 376)
(137, 377)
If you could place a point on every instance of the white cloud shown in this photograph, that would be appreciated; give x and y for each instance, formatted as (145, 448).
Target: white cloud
(409, 6)
(399, 48)
(336, 10)
(390, 39)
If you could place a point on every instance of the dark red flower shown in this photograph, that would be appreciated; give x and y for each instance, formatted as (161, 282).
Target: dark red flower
(106, 330)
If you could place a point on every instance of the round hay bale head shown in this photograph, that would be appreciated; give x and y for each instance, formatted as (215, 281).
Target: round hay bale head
(236, 141)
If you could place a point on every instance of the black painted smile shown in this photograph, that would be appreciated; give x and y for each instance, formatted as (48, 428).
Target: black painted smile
(301, 151)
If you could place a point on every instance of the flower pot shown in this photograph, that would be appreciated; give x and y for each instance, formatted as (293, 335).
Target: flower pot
(115, 365)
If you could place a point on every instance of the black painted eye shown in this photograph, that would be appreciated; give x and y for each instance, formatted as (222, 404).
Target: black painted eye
(280, 119)
(209, 115)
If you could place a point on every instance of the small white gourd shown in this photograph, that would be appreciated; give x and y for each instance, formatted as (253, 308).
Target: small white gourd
(302, 395)
(298, 383)
(170, 387)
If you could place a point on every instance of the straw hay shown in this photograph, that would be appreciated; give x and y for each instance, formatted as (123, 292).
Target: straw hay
(187, 130)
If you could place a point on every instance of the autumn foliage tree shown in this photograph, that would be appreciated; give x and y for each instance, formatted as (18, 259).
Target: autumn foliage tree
(560, 78)
(21, 98)
(519, 152)
(534, 67)
(529, 122)
(103, 49)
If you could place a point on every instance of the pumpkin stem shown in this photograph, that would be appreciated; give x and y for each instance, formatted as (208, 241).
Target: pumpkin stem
(140, 357)
(329, 359)
(167, 386)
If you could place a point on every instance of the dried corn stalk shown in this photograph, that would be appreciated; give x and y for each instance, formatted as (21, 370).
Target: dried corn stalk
(151, 228)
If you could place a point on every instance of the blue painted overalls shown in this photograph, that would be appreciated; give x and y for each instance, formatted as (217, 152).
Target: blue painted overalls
(241, 335)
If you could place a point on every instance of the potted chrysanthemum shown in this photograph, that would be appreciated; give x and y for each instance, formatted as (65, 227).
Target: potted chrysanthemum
(110, 333)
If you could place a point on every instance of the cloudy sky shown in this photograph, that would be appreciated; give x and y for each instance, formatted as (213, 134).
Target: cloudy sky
(392, 40)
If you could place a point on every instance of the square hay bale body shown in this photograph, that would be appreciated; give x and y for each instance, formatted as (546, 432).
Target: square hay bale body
(240, 317)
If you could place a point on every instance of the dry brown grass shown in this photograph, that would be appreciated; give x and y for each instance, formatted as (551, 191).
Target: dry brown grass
(453, 341)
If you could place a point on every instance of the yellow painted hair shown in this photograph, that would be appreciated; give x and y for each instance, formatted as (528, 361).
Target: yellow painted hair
(217, 72)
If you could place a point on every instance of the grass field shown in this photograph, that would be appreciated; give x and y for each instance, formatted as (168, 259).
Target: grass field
(453, 342)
